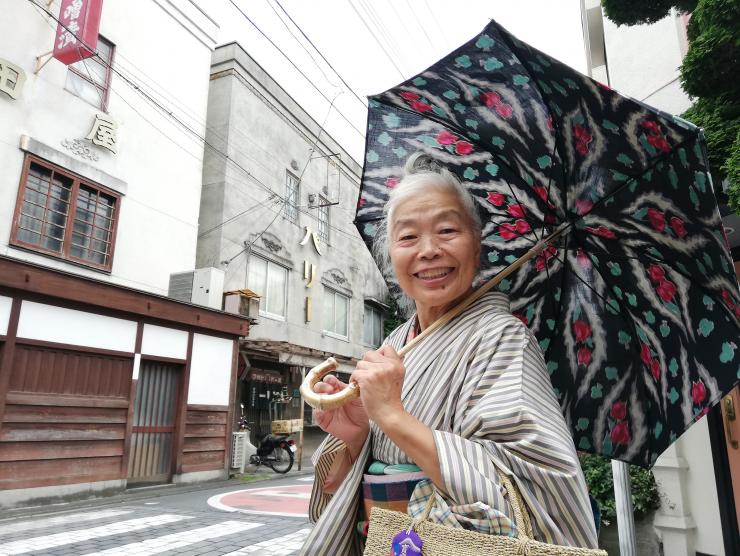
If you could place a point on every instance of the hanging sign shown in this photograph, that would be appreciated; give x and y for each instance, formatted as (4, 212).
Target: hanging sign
(77, 32)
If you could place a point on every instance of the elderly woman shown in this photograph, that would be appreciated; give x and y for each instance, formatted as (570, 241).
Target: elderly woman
(474, 392)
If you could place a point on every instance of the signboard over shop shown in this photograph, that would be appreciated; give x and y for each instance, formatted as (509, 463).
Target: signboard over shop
(77, 32)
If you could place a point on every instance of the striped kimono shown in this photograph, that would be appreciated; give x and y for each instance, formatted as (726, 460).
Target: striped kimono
(480, 383)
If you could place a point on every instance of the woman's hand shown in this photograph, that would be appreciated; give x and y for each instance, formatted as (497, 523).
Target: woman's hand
(380, 378)
(349, 422)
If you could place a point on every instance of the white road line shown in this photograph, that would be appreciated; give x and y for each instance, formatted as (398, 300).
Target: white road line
(308, 479)
(280, 546)
(176, 541)
(35, 544)
(43, 523)
(283, 494)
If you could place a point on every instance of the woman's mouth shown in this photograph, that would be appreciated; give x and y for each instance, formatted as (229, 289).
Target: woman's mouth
(433, 274)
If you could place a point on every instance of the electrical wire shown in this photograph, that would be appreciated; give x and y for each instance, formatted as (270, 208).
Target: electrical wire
(292, 63)
(350, 89)
(377, 40)
(169, 113)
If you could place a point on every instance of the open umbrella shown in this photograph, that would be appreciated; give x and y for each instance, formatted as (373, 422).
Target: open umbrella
(635, 304)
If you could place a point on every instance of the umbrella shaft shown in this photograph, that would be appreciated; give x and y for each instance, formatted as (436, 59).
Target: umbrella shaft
(625, 516)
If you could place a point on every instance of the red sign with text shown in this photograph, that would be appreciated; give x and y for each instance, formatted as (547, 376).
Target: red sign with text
(77, 34)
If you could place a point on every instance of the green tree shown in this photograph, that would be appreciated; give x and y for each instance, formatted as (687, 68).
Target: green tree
(708, 74)
(634, 12)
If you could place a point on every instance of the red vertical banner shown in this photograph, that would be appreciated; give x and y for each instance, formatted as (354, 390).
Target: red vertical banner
(77, 33)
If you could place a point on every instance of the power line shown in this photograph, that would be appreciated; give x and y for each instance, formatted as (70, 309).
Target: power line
(350, 89)
(380, 25)
(415, 18)
(233, 3)
(306, 50)
(169, 113)
(377, 40)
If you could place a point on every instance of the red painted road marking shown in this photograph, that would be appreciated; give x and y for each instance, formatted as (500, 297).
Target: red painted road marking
(289, 500)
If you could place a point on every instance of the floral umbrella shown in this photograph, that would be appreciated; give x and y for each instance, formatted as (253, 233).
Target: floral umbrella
(636, 308)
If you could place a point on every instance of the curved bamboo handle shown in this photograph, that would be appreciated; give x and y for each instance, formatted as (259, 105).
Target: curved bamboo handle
(325, 401)
(332, 401)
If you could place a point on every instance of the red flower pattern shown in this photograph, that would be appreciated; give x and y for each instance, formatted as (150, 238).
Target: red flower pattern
(496, 199)
(420, 106)
(522, 226)
(656, 273)
(409, 95)
(516, 210)
(392, 182)
(677, 226)
(463, 148)
(583, 355)
(620, 434)
(655, 369)
(618, 411)
(582, 330)
(656, 218)
(601, 231)
(698, 392)
(666, 290)
(583, 138)
(645, 354)
(444, 137)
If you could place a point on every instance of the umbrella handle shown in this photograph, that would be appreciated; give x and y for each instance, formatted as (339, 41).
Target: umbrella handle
(326, 401)
(333, 401)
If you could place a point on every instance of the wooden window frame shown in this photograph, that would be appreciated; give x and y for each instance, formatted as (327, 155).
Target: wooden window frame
(77, 181)
(105, 91)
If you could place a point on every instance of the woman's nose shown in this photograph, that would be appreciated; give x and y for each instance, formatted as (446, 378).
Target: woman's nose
(428, 248)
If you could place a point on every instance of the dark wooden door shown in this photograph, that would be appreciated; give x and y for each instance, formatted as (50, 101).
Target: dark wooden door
(153, 427)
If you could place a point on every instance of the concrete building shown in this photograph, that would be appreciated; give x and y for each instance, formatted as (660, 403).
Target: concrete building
(278, 216)
(99, 201)
(699, 476)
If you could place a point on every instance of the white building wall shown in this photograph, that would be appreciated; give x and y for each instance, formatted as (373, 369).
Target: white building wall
(158, 165)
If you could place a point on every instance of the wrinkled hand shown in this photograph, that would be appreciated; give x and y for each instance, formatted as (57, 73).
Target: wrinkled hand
(348, 422)
(380, 377)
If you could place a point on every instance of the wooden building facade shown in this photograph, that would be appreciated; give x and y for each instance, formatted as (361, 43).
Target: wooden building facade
(103, 386)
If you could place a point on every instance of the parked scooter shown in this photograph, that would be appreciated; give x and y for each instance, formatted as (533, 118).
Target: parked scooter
(273, 450)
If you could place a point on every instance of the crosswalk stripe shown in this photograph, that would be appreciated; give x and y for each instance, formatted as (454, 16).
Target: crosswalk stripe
(44, 523)
(35, 544)
(280, 546)
(175, 541)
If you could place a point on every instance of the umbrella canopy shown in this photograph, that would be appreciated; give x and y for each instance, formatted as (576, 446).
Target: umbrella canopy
(636, 308)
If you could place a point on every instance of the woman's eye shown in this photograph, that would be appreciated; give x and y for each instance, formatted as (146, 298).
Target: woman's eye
(406, 238)
(448, 231)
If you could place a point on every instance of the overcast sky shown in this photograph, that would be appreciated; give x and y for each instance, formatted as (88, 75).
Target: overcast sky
(413, 33)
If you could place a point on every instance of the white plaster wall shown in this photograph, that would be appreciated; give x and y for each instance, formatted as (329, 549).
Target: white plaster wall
(49, 323)
(265, 131)
(5, 304)
(643, 62)
(695, 448)
(164, 342)
(210, 370)
(160, 162)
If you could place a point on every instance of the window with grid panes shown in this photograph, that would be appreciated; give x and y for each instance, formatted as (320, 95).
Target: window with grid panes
(323, 216)
(290, 209)
(62, 215)
(336, 314)
(89, 79)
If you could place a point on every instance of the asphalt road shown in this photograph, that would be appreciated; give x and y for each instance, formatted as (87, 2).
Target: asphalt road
(266, 517)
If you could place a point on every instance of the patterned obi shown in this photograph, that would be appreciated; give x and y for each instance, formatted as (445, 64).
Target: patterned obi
(388, 487)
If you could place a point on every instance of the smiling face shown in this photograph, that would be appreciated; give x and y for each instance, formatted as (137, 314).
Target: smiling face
(434, 251)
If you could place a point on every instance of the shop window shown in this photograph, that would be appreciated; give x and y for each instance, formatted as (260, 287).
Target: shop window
(59, 214)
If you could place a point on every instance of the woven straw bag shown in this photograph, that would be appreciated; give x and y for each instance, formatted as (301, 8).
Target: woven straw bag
(440, 540)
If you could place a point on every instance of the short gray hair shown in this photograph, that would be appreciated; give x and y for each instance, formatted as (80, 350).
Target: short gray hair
(421, 174)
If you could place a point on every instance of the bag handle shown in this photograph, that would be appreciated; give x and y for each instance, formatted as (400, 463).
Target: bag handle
(518, 507)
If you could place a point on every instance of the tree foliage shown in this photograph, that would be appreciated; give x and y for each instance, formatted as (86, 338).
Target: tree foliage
(598, 473)
(635, 12)
(710, 67)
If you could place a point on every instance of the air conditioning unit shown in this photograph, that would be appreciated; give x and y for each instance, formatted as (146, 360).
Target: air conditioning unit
(202, 286)
(244, 302)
